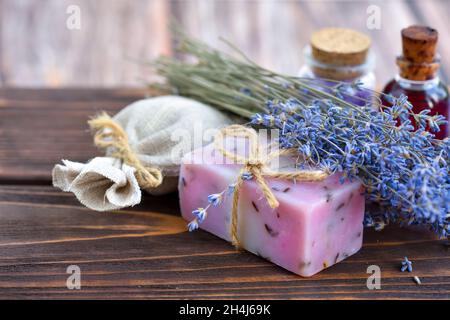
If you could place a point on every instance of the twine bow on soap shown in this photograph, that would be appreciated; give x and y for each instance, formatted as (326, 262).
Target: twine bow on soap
(111, 136)
(256, 166)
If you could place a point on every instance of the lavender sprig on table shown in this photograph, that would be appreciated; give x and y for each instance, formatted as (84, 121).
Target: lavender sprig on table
(340, 127)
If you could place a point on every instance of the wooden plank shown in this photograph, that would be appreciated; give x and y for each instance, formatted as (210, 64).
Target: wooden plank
(147, 253)
(38, 49)
(38, 128)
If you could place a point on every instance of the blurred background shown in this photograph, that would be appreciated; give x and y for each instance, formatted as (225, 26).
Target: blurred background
(42, 46)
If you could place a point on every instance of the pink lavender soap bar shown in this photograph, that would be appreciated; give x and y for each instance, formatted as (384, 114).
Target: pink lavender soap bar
(316, 225)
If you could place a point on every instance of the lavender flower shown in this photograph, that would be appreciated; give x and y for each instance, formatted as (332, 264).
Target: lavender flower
(231, 188)
(200, 213)
(193, 225)
(215, 199)
(247, 176)
(406, 265)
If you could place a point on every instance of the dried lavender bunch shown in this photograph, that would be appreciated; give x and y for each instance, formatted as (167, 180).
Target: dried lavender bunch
(340, 127)
(404, 170)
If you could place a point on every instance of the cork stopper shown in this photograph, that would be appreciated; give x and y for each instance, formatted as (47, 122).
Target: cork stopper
(340, 47)
(419, 61)
(419, 44)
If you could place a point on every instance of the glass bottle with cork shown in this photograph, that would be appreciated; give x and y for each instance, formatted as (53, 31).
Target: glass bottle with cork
(417, 77)
(338, 54)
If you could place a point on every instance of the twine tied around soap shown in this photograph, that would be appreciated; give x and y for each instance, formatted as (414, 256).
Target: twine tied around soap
(257, 164)
(108, 134)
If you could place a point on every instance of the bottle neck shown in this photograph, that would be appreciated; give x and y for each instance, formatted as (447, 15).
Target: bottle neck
(418, 71)
(416, 85)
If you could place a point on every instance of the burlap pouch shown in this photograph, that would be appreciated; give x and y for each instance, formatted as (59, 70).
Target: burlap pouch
(144, 144)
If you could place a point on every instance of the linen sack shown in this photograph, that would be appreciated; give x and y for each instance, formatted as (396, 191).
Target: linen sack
(144, 144)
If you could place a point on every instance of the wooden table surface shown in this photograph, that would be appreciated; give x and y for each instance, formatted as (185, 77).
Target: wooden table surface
(146, 252)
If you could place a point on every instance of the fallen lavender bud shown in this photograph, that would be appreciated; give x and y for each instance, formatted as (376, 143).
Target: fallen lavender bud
(406, 265)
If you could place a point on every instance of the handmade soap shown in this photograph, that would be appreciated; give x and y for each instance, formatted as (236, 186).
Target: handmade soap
(316, 224)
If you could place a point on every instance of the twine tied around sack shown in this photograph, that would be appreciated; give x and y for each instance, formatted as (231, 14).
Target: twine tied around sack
(108, 134)
(257, 165)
